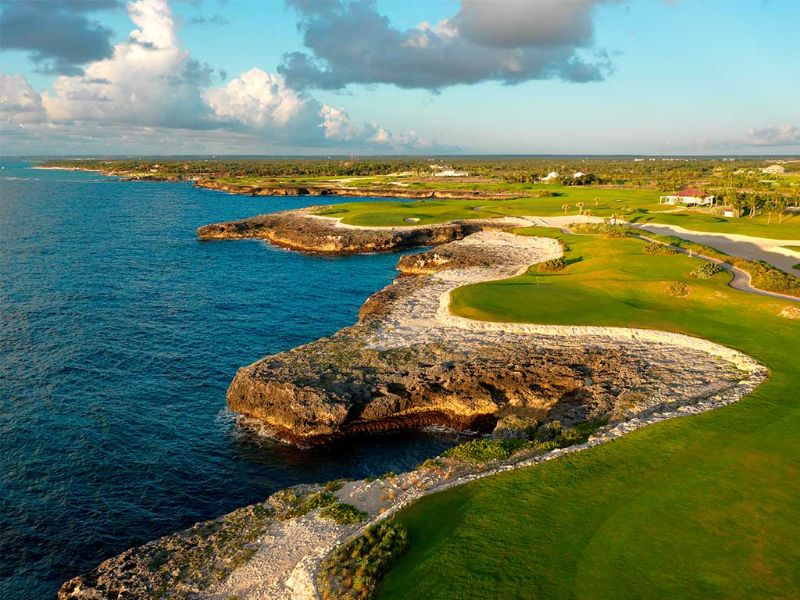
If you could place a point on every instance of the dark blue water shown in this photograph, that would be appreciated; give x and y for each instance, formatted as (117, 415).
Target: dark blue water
(119, 333)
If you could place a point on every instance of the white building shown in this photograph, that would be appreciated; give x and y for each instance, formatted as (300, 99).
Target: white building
(451, 173)
(551, 176)
(774, 170)
(578, 175)
(688, 197)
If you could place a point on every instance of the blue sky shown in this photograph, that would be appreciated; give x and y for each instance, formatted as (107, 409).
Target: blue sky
(535, 76)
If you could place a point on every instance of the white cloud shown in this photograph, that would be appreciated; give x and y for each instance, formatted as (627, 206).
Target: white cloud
(257, 98)
(19, 103)
(151, 84)
(148, 80)
(779, 135)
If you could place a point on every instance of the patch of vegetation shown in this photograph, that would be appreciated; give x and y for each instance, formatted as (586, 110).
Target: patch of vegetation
(610, 230)
(342, 513)
(542, 438)
(354, 569)
(705, 271)
(679, 289)
(484, 450)
(335, 484)
(657, 248)
(296, 504)
(552, 265)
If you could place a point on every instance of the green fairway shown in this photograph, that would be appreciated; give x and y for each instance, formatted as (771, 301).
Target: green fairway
(635, 205)
(699, 507)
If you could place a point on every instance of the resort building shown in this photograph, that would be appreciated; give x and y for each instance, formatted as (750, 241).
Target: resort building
(688, 197)
(451, 173)
(774, 170)
(578, 175)
(551, 176)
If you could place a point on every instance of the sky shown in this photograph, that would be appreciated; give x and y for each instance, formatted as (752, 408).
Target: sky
(324, 77)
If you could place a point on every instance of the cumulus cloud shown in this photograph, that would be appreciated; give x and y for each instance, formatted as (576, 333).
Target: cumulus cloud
(780, 135)
(150, 82)
(59, 34)
(504, 40)
(148, 79)
(19, 103)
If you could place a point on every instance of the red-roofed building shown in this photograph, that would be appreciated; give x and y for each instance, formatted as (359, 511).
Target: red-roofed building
(689, 197)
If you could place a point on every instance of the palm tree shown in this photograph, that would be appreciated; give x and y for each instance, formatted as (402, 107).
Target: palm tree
(565, 206)
(580, 206)
(597, 201)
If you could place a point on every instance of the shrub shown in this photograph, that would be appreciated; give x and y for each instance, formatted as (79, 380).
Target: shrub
(343, 514)
(484, 450)
(355, 568)
(609, 230)
(679, 289)
(705, 271)
(297, 506)
(554, 264)
(657, 248)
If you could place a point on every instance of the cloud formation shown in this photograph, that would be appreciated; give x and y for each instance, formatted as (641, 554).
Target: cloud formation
(148, 79)
(780, 135)
(504, 40)
(19, 103)
(59, 34)
(150, 82)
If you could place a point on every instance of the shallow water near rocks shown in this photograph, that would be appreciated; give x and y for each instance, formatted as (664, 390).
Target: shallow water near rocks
(119, 334)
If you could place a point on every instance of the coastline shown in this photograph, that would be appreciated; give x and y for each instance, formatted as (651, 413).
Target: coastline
(311, 538)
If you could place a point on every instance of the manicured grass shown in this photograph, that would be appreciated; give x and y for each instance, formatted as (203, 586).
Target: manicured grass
(601, 201)
(700, 507)
(635, 205)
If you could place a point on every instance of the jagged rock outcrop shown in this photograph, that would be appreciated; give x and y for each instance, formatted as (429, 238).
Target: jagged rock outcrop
(281, 189)
(400, 366)
(302, 230)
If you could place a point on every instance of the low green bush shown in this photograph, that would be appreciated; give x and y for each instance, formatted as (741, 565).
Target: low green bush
(607, 229)
(484, 450)
(705, 271)
(342, 513)
(297, 505)
(679, 289)
(554, 264)
(355, 568)
(656, 248)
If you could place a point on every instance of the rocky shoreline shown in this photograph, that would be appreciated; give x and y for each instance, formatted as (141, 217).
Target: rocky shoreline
(359, 192)
(408, 362)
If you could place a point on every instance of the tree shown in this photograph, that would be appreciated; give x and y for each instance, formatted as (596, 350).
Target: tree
(580, 206)
(754, 200)
(565, 206)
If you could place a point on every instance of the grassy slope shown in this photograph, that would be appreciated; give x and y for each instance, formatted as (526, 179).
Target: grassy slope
(609, 201)
(703, 507)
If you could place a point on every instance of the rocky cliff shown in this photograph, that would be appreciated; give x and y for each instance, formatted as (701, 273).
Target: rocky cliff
(403, 365)
(302, 230)
(281, 189)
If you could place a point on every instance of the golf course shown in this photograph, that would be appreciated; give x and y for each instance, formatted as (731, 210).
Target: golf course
(700, 507)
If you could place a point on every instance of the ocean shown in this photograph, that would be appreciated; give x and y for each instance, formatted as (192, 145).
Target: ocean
(119, 334)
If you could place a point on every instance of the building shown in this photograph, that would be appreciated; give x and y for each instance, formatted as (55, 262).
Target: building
(578, 175)
(451, 173)
(551, 176)
(774, 170)
(688, 197)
